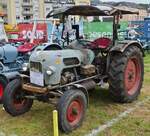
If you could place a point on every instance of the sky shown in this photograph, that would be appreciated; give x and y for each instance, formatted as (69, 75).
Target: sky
(137, 1)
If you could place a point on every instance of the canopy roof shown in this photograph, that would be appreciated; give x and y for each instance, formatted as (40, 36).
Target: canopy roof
(87, 10)
(123, 10)
(82, 10)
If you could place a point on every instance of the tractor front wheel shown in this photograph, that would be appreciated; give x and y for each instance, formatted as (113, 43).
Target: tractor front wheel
(13, 100)
(71, 110)
(126, 74)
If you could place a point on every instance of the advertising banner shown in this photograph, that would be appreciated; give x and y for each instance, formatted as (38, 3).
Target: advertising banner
(26, 31)
(94, 30)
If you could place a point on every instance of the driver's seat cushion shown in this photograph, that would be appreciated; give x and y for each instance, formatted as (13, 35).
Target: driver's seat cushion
(102, 43)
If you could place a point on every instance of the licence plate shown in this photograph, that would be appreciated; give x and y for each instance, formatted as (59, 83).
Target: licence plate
(37, 78)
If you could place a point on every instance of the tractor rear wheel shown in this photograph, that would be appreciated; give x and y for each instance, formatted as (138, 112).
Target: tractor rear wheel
(3, 83)
(71, 110)
(126, 74)
(13, 100)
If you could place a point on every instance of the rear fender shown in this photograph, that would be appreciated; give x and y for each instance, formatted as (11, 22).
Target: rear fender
(123, 45)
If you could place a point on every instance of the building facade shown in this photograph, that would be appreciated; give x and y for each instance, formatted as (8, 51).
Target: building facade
(3, 6)
(82, 2)
(3, 9)
(53, 4)
(28, 9)
(24, 10)
(142, 14)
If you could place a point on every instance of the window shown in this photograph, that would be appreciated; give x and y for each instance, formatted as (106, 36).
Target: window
(27, 17)
(26, 9)
(17, 17)
(27, 1)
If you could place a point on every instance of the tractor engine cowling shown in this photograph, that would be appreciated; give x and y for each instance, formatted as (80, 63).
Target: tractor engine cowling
(8, 53)
(49, 65)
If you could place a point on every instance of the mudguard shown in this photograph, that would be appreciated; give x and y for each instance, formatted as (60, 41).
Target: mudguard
(48, 46)
(10, 75)
(121, 46)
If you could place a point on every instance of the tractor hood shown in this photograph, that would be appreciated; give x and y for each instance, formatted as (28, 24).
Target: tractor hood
(8, 53)
(58, 60)
(51, 56)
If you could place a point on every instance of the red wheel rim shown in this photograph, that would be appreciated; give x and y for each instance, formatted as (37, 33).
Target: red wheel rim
(74, 112)
(132, 76)
(18, 102)
(1, 91)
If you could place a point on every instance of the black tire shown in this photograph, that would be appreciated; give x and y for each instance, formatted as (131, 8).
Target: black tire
(13, 101)
(68, 120)
(3, 83)
(126, 74)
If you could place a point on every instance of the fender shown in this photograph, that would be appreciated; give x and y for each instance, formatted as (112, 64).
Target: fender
(53, 46)
(9, 76)
(83, 89)
(121, 46)
(48, 46)
(4, 77)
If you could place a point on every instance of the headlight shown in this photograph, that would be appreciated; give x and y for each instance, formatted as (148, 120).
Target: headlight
(29, 53)
(50, 70)
(25, 67)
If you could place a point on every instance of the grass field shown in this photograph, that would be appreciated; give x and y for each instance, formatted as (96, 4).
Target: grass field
(38, 122)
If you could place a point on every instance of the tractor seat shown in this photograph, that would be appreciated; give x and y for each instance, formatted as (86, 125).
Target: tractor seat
(102, 43)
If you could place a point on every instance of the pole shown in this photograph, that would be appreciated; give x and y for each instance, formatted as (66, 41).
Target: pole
(55, 123)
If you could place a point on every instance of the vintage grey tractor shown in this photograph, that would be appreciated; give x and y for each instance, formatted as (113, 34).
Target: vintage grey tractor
(64, 77)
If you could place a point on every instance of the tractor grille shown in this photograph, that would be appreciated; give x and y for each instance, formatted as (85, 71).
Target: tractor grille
(36, 66)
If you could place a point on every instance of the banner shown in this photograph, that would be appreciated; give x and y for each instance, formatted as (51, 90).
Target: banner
(94, 30)
(26, 31)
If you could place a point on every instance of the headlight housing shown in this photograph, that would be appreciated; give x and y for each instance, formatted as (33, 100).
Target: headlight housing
(50, 70)
(25, 67)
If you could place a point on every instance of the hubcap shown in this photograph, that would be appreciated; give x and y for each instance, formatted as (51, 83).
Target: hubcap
(1, 90)
(132, 76)
(74, 112)
(18, 101)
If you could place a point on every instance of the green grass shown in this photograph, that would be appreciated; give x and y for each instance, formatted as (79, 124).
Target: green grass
(38, 122)
(136, 124)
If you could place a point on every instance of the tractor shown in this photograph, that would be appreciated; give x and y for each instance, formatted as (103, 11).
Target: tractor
(10, 61)
(64, 76)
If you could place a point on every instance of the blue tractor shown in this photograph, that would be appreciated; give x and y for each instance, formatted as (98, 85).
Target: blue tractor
(10, 61)
(140, 30)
